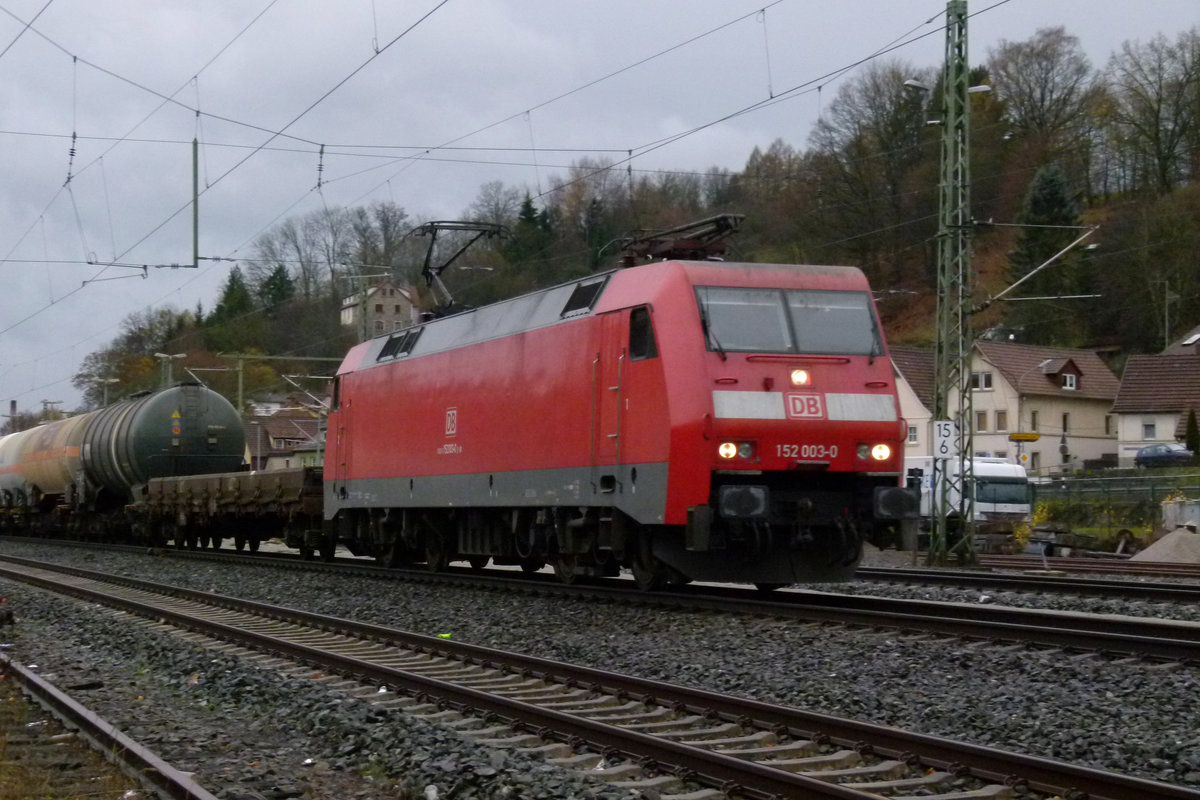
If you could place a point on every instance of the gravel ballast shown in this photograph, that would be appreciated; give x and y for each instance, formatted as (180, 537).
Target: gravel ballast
(1131, 717)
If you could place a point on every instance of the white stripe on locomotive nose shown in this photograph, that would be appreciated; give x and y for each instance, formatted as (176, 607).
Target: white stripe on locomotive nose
(748, 405)
(838, 406)
(861, 407)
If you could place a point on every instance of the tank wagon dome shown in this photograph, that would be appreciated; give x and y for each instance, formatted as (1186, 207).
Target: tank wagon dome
(186, 429)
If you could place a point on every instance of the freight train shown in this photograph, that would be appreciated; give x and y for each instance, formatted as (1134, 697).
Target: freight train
(80, 474)
(685, 420)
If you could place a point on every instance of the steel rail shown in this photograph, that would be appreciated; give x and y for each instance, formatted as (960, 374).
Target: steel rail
(142, 765)
(1037, 773)
(1128, 589)
(752, 780)
(1142, 637)
(1123, 566)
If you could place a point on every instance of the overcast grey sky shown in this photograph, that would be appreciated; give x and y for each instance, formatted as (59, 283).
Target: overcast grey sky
(381, 85)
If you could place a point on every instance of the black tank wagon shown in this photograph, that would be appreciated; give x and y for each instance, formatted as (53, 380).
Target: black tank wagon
(81, 472)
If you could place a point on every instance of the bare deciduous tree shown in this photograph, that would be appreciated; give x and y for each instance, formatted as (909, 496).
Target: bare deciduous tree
(1155, 91)
(1046, 84)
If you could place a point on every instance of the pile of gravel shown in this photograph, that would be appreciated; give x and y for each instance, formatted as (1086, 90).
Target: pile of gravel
(1130, 717)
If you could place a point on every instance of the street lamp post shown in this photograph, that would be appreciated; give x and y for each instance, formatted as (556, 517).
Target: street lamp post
(256, 459)
(1020, 403)
(105, 383)
(166, 359)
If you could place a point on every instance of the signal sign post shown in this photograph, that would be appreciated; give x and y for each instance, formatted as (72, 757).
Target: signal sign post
(950, 486)
(946, 441)
(1021, 439)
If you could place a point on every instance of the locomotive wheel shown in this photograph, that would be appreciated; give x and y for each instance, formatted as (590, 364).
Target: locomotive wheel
(564, 567)
(391, 556)
(531, 565)
(239, 542)
(677, 578)
(769, 587)
(649, 573)
(649, 577)
(436, 559)
(328, 548)
(478, 562)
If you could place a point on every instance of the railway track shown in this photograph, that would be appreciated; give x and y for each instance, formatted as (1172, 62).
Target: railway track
(50, 757)
(1112, 635)
(661, 738)
(1158, 569)
(1094, 587)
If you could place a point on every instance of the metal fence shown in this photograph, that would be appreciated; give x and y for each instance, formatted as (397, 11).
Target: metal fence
(1111, 503)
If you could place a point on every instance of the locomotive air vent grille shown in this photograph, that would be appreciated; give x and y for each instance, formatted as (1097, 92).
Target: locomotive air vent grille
(583, 297)
(399, 344)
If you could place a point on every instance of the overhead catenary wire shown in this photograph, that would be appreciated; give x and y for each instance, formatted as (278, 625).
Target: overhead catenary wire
(273, 136)
(628, 167)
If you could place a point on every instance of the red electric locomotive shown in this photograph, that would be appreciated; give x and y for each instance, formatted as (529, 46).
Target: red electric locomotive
(685, 419)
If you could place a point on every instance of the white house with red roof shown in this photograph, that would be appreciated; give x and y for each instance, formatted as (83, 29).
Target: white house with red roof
(1155, 396)
(1047, 408)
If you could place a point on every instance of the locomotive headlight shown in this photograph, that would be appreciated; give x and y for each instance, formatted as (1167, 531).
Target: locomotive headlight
(800, 377)
(731, 450)
(881, 452)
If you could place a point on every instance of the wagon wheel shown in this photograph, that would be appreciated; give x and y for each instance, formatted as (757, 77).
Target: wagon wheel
(478, 562)
(215, 543)
(239, 542)
(436, 557)
(769, 587)
(254, 542)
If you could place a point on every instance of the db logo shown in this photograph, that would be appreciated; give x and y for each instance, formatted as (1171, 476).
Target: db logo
(451, 421)
(806, 406)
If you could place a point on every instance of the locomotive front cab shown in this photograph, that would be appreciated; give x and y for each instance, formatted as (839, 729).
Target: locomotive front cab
(803, 443)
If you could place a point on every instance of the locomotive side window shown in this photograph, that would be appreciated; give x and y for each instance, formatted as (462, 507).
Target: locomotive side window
(641, 335)
(788, 321)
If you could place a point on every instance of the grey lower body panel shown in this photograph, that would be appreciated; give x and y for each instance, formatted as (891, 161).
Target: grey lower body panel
(639, 490)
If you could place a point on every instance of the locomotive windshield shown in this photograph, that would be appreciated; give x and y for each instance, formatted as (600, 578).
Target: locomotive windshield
(788, 321)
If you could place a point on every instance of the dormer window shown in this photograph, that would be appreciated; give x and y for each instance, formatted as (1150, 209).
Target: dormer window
(1068, 381)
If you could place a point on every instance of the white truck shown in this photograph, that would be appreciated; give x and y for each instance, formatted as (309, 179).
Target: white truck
(1001, 493)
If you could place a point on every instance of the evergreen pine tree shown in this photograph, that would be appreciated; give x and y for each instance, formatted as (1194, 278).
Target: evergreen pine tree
(1051, 217)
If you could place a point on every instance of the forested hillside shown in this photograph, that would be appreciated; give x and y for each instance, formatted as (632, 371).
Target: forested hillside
(1058, 141)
